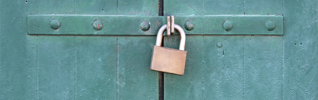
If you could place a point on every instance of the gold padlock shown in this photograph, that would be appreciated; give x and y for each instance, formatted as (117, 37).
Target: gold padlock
(166, 59)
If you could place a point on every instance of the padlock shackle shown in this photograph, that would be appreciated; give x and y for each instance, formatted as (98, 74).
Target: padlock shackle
(177, 27)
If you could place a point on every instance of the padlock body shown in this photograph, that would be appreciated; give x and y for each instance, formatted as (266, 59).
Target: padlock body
(168, 60)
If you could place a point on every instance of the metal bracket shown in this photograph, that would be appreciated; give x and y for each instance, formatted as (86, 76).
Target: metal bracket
(73, 24)
(170, 25)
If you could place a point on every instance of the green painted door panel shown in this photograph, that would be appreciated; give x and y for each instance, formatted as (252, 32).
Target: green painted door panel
(138, 7)
(175, 85)
(102, 7)
(243, 67)
(300, 50)
(263, 66)
(260, 67)
(95, 67)
(46, 67)
(263, 7)
(55, 67)
(219, 7)
(54, 6)
(18, 52)
(134, 78)
(211, 72)
(203, 7)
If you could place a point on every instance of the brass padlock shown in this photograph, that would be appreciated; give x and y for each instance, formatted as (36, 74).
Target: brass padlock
(166, 59)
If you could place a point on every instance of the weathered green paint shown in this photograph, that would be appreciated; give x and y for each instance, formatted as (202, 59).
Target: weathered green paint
(34, 67)
(100, 7)
(263, 67)
(97, 24)
(144, 25)
(95, 68)
(56, 67)
(72, 24)
(83, 24)
(300, 50)
(211, 72)
(179, 83)
(54, 6)
(263, 7)
(220, 7)
(182, 7)
(188, 25)
(18, 52)
(241, 24)
(259, 67)
(133, 69)
(137, 7)
(224, 67)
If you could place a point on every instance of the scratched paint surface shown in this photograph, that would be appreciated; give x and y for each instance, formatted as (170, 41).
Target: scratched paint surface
(134, 73)
(47, 67)
(260, 67)
(301, 50)
(214, 72)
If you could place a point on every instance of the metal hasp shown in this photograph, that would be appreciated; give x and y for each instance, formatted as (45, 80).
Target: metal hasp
(73, 24)
(166, 59)
(170, 25)
(94, 24)
(232, 24)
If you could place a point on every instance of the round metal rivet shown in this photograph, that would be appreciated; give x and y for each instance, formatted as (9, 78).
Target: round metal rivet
(144, 25)
(97, 25)
(227, 25)
(219, 44)
(188, 25)
(55, 24)
(270, 25)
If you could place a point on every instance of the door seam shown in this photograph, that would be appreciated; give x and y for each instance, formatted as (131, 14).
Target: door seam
(161, 74)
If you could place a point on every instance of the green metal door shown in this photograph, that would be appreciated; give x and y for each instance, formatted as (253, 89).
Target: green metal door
(246, 66)
(41, 63)
(51, 49)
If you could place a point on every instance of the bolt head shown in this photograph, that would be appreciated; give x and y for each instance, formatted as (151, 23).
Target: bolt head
(55, 24)
(227, 25)
(144, 26)
(189, 25)
(97, 25)
(270, 25)
(219, 44)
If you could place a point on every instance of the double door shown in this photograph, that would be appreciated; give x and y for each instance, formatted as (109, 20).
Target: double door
(77, 61)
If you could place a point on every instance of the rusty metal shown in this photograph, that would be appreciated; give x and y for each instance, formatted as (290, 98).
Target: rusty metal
(97, 25)
(189, 25)
(166, 59)
(144, 25)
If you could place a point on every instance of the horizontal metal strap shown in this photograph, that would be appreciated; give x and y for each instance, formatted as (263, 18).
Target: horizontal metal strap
(73, 24)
